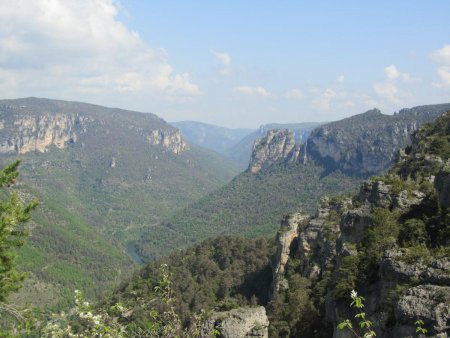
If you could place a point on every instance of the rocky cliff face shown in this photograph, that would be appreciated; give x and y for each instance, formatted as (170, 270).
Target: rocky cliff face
(362, 145)
(241, 152)
(368, 143)
(40, 124)
(390, 241)
(170, 139)
(39, 133)
(276, 145)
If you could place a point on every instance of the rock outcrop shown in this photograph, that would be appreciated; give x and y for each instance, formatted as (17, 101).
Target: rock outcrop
(286, 236)
(39, 133)
(429, 303)
(275, 146)
(241, 152)
(170, 139)
(238, 323)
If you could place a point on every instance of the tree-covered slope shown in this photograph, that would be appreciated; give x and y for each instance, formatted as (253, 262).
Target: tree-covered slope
(251, 204)
(220, 273)
(64, 253)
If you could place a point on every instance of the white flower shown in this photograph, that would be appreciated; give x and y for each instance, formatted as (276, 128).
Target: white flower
(353, 294)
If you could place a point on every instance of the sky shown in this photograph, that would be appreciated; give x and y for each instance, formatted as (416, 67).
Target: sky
(231, 63)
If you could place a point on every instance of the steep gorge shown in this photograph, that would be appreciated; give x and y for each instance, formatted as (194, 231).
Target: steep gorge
(389, 241)
(284, 175)
(102, 176)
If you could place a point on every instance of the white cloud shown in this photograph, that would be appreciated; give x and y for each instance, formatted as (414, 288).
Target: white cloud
(328, 98)
(252, 91)
(391, 92)
(79, 46)
(223, 58)
(444, 77)
(442, 57)
(387, 91)
(393, 73)
(294, 94)
(225, 61)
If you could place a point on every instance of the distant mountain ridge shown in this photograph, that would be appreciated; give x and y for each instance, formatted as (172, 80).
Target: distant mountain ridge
(360, 145)
(368, 143)
(210, 136)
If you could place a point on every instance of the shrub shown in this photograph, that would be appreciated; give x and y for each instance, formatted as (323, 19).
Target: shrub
(412, 232)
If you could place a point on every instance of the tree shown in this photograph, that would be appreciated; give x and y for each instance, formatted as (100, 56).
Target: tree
(13, 214)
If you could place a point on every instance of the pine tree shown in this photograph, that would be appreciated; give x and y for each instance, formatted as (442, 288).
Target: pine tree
(13, 214)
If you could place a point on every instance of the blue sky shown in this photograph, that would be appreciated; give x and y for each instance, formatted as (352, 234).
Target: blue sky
(231, 63)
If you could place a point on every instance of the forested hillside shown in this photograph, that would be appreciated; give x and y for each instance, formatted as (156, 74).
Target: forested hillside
(250, 205)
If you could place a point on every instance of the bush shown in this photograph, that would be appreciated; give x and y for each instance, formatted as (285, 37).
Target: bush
(413, 232)
(381, 236)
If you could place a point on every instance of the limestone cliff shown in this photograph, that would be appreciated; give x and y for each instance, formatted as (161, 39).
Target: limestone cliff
(240, 153)
(37, 125)
(389, 242)
(38, 133)
(361, 145)
(286, 237)
(368, 143)
(275, 146)
(170, 139)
